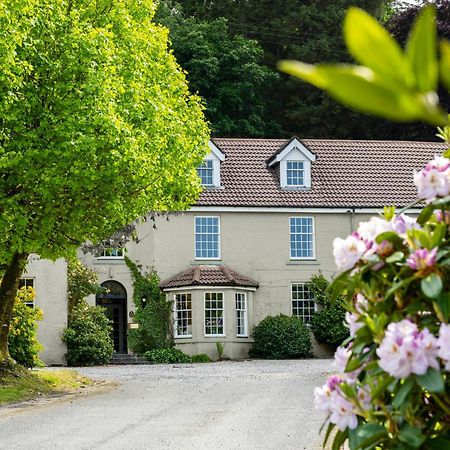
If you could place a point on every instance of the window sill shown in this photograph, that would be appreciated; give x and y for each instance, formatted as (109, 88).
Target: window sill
(188, 336)
(214, 335)
(303, 262)
(106, 260)
(198, 262)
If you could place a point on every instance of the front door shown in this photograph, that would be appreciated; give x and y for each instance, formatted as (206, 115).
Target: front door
(114, 301)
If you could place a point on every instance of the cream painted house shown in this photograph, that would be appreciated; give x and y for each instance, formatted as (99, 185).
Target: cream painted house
(262, 227)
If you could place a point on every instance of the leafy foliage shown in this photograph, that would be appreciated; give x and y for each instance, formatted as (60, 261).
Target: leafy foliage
(281, 337)
(22, 340)
(200, 358)
(97, 127)
(167, 356)
(327, 324)
(393, 390)
(88, 336)
(153, 313)
(82, 281)
(225, 69)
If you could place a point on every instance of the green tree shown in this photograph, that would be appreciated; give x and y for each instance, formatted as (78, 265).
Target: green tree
(307, 30)
(97, 128)
(225, 69)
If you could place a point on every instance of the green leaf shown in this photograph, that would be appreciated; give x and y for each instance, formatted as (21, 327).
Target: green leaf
(438, 443)
(401, 284)
(421, 50)
(432, 381)
(369, 434)
(327, 434)
(339, 439)
(445, 63)
(403, 392)
(395, 257)
(438, 235)
(441, 201)
(431, 285)
(444, 305)
(372, 46)
(411, 435)
(425, 214)
(390, 236)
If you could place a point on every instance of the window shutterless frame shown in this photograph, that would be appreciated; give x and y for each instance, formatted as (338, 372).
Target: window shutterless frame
(28, 282)
(201, 237)
(241, 305)
(214, 314)
(297, 237)
(303, 305)
(182, 315)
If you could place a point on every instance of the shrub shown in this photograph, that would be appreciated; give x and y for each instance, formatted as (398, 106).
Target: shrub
(201, 358)
(281, 337)
(167, 356)
(88, 336)
(153, 313)
(22, 341)
(328, 324)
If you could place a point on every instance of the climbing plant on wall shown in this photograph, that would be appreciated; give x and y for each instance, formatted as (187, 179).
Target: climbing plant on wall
(153, 312)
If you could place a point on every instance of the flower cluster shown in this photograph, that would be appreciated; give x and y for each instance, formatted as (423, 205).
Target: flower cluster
(393, 374)
(434, 180)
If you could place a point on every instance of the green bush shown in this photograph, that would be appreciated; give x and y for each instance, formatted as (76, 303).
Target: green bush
(167, 356)
(201, 358)
(281, 337)
(153, 313)
(328, 324)
(88, 336)
(22, 341)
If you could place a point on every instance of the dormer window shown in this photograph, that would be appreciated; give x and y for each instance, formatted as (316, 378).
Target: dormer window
(294, 161)
(205, 172)
(209, 170)
(295, 173)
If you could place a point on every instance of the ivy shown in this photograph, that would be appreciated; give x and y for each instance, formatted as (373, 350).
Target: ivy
(153, 313)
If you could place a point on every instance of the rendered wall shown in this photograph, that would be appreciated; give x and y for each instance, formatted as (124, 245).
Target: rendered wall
(50, 283)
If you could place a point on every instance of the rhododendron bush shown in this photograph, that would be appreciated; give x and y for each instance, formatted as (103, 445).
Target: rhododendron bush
(391, 389)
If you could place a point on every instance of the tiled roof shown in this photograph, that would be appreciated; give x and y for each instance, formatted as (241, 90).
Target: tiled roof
(346, 174)
(208, 276)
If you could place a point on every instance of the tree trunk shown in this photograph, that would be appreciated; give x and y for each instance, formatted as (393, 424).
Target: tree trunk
(8, 292)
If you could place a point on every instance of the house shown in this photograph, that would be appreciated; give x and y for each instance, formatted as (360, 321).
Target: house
(263, 225)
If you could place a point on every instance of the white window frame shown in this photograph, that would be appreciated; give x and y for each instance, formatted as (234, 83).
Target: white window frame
(209, 169)
(311, 299)
(214, 309)
(244, 311)
(175, 316)
(29, 282)
(200, 258)
(302, 170)
(313, 244)
(121, 249)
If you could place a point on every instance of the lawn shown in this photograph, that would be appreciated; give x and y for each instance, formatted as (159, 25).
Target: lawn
(28, 384)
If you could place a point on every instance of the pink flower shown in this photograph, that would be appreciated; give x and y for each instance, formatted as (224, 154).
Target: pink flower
(343, 413)
(323, 397)
(403, 223)
(422, 259)
(443, 217)
(404, 350)
(347, 252)
(434, 180)
(443, 344)
(352, 322)
(341, 358)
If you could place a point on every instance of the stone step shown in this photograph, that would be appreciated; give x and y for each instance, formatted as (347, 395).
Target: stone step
(122, 359)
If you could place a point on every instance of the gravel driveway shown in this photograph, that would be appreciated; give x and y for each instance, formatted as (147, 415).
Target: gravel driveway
(225, 405)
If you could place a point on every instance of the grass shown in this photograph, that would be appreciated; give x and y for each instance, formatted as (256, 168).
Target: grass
(22, 384)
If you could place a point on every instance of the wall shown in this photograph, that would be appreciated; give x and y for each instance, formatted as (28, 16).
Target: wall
(51, 296)
(254, 244)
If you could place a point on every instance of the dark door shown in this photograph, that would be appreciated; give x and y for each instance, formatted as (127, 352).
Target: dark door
(114, 301)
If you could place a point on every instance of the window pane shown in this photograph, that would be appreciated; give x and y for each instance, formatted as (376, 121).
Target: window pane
(205, 172)
(295, 173)
(301, 237)
(183, 315)
(303, 305)
(207, 238)
(241, 313)
(214, 324)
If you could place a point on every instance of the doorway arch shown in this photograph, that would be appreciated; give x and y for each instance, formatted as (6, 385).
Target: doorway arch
(114, 301)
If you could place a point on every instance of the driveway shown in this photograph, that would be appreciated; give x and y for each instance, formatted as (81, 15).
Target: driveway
(224, 405)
